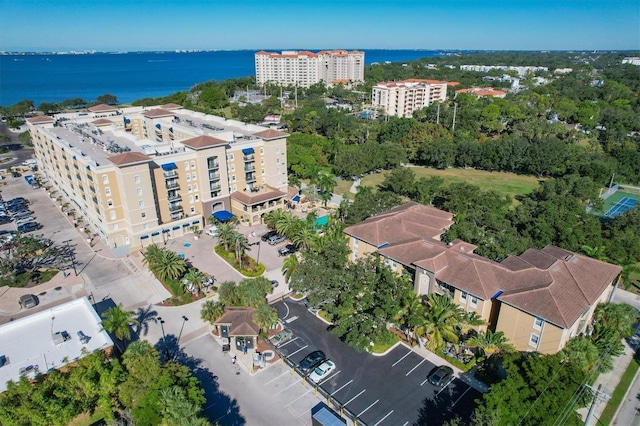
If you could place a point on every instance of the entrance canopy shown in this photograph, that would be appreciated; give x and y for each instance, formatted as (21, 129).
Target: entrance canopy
(223, 215)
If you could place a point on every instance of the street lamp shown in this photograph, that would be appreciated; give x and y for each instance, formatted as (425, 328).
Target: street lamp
(184, 319)
(72, 256)
(164, 338)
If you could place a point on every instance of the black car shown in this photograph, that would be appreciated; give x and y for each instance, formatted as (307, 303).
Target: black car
(18, 200)
(268, 235)
(16, 208)
(29, 227)
(4, 220)
(311, 361)
(441, 376)
(287, 250)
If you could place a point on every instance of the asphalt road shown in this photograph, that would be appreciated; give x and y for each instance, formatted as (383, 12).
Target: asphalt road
(390, 389)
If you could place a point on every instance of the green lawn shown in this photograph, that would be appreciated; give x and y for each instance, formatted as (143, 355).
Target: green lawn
(502, 182)
(618, 394)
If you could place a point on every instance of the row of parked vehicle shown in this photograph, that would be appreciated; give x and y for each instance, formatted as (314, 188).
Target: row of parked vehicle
(315, 365)
(17, 211)
(273, 238)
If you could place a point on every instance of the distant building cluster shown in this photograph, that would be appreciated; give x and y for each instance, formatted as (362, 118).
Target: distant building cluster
(138, 175)
(402, 98)
(304, 69)
(522, 71)
(633, 60)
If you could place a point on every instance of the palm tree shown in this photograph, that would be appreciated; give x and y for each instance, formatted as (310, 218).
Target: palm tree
(628, 268)
(325, 182)
(596, 252)
(471, 320)
(410, 313)
(582, 352)
(241, 245)
(289, 267)
(170, 266)
(287, 224)
(151, 256)
(490, 342)
(265, 316)
(211, 311)
(272, 217)
(304, 237)
(439, 322)
(193, 278)
(225, 234)
(118, 322)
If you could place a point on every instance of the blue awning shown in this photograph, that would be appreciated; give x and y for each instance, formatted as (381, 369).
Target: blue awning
(222, 215)
(248, 151)
(158, 126)
(153, 234)
(142, 237)
(184, 225)
(88, 167)
(126, 120)
(175, 228)
(164, 231)
(195, 222)
(171, 129)
(295, 198)
(169, 166)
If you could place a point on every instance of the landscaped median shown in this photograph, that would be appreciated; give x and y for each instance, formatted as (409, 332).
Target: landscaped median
(248, 267)
(621, 390)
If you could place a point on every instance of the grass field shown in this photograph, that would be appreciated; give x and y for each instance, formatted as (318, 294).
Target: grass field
(501, 182)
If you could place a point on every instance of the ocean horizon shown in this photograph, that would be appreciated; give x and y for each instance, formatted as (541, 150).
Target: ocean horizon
(56, 76)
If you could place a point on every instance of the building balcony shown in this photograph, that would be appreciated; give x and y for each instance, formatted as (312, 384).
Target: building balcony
(214, 176)
(213, 165)
(249, 168)
(250, 177)
(214, 187)
(168, 174)
(174, 196)
(250, 157)
(171, 185)
(175, 207)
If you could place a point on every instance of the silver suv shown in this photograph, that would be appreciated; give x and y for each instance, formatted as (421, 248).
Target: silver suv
(276, 239)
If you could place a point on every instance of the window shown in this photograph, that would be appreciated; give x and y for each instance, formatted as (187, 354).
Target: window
(262, 171)
(105, 179)
(136, 179)
(139, 191)
(262, 161)
(189, 188)
(110, 203)
(537, 323)
(355, 256)
(188, 177)
(112, 215)
(195, 186)
(193, 164)
(355, 242)
(193, 176)
(107, 191)
(394, 264)
(145, 226)
(197, 197)
(233, 178)
(235, 188)
(277, 160)
(233, 168)
(261, 150)
(264, 180)
(463, 296)
(534, 340)
(474, 302)
(278, 171)
(278, 150)
(191, 199)
(140, 203)
(186, 165)
(231, 157)
(143, 215)
(192, 209)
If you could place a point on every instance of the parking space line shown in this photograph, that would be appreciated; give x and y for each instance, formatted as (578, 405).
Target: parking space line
(292, 319)
(346, 403)
(425, 381)
(380, 421)
(463, 394)
(292, 384)
(419, 364)
(286, 306)
(329, 378)
(406, 355)
(286, 373)
(366, 409)
(286, 343)
(342, 387)
(290, 355)
(302, 395)
(445, 386)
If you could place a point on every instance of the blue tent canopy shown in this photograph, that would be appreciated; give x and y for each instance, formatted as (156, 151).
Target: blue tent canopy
(169, 166)
(158, 126)
(247, 151)
(295, 198)
(222, 215)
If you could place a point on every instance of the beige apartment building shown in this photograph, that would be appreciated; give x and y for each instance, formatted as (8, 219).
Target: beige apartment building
(304, 69)
(402, 98)
(539, 299)
(138, 175)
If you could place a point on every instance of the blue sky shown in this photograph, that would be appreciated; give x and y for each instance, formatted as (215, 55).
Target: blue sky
(119, 25)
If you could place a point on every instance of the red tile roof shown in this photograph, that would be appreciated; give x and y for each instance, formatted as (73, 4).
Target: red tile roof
(101, 122)
(270, 134)
(200, 142)
(40, 119)
(157, 112)
(240, 321)
(102, 108)
(171, 106)
(129, 158)
(267, 193)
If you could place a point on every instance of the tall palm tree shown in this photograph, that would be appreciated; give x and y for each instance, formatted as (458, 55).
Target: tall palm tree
(265, 316)
(491, 342)
(628, 268)
(118, 322)
(241, 245)
(211, 311)
(290, 266)
(170, 266)
(272, 217)
(287, 224)
(471, 320)
(596, 252)
(304, 237)
(151, 256)
(439, 322)
(225, 233)
(193, 278)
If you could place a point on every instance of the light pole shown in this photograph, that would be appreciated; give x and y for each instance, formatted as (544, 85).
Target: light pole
(72, 256)
(164, 338)
(184, 319)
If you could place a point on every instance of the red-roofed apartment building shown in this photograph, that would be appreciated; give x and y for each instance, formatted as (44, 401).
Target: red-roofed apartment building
(304, 69)
(143, 175)
(539, 299)
(402, 98)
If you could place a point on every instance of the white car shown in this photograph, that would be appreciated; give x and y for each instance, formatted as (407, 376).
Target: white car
(322, 371)
(212, 231)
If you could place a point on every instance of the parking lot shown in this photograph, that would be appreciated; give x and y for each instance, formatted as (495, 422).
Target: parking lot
(376, 390)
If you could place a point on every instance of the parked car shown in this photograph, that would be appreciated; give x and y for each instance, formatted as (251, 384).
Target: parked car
(311, 361)
(22, 213)
(281, 337)
(28, 301)
(29, 227)
(441, 376)
(268, 235)
(322, 371)
(4, 220)
(25, 219)
(16, 208)
(17, 200)
(287, 250)
(276, 239)
(212, 231)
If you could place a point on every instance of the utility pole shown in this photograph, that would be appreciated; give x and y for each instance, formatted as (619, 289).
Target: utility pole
(455, 108)
(598, 397)
(438, 115)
